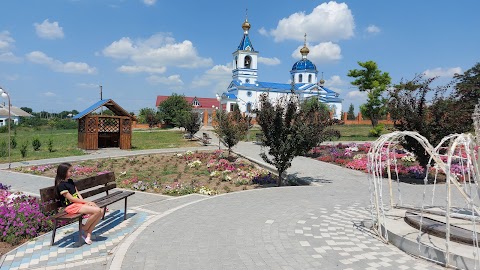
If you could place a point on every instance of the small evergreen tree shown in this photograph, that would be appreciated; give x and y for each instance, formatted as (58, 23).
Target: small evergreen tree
(351, 113)
(36, 144)
(291, 129)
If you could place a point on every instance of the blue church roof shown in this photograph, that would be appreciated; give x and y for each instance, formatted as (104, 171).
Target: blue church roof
(245, 43)
(110, 104)
(304, 64)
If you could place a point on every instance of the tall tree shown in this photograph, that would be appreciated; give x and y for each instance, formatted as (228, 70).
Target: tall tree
(373, 81)
(416, 105)
(171, 109)
(351, 112)
(231, 127)
(291, 129)
(467, 94)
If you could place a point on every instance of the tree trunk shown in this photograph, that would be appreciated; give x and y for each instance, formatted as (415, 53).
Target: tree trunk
(280, 179)
(374, 120)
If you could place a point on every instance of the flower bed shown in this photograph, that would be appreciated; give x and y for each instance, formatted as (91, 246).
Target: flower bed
(21, 217)
(207, 173)
(354, 156)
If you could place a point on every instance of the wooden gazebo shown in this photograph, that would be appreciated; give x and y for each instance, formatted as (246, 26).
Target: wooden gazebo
(103, 131)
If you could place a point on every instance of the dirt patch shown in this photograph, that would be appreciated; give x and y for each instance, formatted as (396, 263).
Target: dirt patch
(180, 173)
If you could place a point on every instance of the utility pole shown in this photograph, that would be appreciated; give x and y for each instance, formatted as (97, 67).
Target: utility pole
(101, 98)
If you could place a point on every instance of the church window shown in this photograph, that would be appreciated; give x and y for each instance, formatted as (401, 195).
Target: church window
(248, 61)
(310, 78)
(249, 107)
(247, 80)
(236, 61)
(249, 93)
(300, 78)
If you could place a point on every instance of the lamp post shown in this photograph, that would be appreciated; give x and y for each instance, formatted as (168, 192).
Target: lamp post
(5, 94)
(219, 98)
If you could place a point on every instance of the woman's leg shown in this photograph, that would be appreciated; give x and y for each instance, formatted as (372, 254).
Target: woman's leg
(95, 213)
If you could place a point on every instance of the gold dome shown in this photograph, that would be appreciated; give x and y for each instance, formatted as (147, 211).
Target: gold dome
(304, 50)
(246, 25)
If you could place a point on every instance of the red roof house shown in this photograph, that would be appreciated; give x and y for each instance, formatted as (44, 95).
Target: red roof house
(197, 102)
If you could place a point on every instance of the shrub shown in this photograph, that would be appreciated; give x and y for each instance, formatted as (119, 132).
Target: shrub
(376, 131)
(50, 145)
(23, 149)
(36, 144)
(3, 149)
(13, 142)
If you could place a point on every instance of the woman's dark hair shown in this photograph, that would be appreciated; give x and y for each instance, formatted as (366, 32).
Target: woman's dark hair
(62, 173)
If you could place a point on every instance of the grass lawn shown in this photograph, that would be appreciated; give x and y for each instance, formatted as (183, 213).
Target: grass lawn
(347, 132)
(65, 142)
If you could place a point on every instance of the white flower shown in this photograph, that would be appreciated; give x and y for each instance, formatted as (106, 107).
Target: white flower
(352, 149)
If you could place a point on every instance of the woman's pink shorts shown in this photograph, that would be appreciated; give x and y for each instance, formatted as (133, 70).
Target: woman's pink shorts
(74, 208)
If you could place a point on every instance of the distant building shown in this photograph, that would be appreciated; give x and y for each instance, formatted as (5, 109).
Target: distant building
(245, 89)
(15, 114)
(198, 104)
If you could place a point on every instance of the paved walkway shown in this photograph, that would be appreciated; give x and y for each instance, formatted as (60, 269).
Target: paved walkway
(307, 227)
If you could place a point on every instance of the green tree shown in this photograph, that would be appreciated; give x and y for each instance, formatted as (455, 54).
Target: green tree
(351, 113)
(191, 121)
(27, 109)
(415, 105)
(231, 127)
(144, 114)
(467, 95)
(371, 80)
(291, 129)
(171, 109)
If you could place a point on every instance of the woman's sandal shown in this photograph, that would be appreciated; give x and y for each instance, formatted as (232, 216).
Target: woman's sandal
(87, 240)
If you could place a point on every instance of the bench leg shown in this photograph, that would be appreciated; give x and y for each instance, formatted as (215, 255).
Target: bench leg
(53, 232)
(79, 241)
(104, 211)
(125, 211)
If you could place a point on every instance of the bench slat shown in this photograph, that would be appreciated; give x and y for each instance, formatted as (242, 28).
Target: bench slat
(91, 193)
(102, 202)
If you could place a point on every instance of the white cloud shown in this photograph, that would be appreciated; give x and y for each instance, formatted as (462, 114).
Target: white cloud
(442, 72)
(6, 44)
(41, 58)
(321, 53)
(157, 53)
(328, 21)
(263, 31)
(269, 61)
(149, 2)
(49, 30)
(373, 29)
(335, 80)
(139, 69)
(49, 94)
(357, 94)
(217, 78)
(6, 41)
(9, 57)
(170, 80)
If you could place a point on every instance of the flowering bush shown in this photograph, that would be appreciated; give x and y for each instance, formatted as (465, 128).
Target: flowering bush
(21, 218)
(195, 164)
(177, 189)
(207, 191)
(265, 179)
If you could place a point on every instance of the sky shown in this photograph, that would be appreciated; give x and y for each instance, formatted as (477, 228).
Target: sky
(55, 54)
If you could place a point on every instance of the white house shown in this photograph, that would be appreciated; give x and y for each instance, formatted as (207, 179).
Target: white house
(245, 89)
(15, 114)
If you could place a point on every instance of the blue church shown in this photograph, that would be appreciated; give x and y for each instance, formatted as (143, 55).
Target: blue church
(245, 89)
